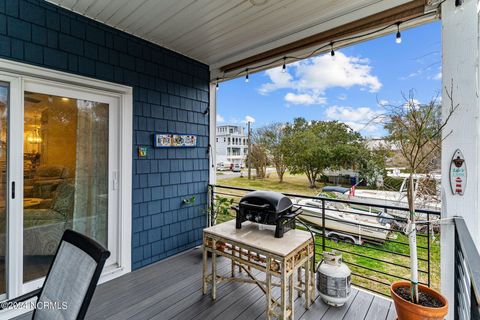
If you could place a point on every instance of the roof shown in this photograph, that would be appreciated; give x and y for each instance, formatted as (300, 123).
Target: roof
(219, 33)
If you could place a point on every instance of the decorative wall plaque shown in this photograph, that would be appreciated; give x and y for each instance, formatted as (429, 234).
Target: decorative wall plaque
(458, 173)
(174, 140)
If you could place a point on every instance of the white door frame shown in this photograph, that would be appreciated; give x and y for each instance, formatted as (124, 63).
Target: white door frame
(38, 79)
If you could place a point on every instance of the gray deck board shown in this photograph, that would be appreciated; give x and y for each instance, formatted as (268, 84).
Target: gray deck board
(339, 312)
(360, 306)
(172, 289)
(378, 309)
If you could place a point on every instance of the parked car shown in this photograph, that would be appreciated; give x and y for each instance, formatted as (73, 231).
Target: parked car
(236, 167)
(224, 166)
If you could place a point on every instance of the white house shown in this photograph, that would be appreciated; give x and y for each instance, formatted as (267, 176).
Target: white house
(231, 145)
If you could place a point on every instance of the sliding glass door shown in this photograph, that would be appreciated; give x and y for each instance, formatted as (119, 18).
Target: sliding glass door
(65, 172)
(59, 169)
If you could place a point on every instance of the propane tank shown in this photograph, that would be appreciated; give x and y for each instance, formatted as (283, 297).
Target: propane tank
(333, 279)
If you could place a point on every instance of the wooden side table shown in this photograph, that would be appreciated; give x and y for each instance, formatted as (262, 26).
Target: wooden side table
(254, 246)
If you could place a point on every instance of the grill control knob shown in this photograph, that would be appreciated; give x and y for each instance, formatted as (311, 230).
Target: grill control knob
(258, 218)
(248, 216)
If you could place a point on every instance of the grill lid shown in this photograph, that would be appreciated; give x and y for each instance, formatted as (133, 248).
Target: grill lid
(276, 201)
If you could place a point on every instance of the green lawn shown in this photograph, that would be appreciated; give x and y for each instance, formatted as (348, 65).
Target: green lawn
(368, 260)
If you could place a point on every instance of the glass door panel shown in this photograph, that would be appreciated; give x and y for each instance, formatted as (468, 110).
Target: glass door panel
(66, 165)
(4, 102)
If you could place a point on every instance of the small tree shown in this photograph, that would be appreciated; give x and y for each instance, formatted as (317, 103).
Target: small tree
(417, 131)
(258, 157)
(312, 147)
(371, 165)
(271, 138)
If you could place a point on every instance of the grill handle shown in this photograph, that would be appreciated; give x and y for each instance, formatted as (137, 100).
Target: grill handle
(293, 214)
(254, 206)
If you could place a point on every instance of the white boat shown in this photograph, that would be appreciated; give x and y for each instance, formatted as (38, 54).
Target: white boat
(382, 198)
(342, 218)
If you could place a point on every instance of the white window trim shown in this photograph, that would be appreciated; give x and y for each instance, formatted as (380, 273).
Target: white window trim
(124, 94)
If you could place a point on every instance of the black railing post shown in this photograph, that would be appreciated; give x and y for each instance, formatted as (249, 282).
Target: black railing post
(428, 249)
(323, 225)
(212, 205)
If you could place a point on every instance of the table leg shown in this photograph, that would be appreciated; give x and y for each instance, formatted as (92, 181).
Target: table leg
(214, 272)
(233, 262)
(308, 283)
(205, 269)
(290, 294)
(268, 294)
(283, 292)
(314, 285)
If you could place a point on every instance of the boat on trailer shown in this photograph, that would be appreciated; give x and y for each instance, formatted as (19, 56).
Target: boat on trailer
(375, 199)
(341, 219)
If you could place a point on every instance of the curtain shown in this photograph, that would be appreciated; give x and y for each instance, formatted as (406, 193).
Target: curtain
(91, 173)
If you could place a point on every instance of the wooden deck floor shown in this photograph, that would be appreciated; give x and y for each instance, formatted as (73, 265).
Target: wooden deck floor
(171, 289)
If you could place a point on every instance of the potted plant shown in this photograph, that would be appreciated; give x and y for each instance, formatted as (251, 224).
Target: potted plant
(417, 130)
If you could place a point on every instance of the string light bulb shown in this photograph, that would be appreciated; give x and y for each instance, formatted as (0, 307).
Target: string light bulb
(246, 75)
(332, 52)
(217, 86)
(284, 67)
(398, 38)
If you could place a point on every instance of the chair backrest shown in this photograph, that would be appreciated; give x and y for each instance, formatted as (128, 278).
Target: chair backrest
(72, 278)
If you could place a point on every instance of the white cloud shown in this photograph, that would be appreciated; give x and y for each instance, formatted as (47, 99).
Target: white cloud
(383, 103)
(437, 76)
(220, 118)
(303, 98)
(359, 119)
(279, 80)
(248, 119)
(312, 77)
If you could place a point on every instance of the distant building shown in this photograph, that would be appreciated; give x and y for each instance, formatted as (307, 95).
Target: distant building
(231, 145)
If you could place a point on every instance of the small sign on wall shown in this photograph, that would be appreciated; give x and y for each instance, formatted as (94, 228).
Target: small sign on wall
(458, 173)
(174, 140)
(142, 152)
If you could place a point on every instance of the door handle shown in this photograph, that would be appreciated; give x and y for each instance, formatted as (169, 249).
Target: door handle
(13, 189)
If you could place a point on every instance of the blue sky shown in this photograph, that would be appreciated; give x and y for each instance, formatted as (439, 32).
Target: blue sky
(350, 87)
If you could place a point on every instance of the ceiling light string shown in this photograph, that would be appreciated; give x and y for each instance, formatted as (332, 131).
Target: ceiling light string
(247, 71)
(398, 37)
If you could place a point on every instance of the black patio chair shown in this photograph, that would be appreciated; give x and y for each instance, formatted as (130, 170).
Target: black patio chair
(71, 279)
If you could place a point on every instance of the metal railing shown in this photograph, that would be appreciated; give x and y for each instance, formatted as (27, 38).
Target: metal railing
(375, 262)
(467, 273)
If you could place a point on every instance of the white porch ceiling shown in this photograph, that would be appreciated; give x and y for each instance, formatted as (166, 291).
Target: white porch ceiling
(219, 32)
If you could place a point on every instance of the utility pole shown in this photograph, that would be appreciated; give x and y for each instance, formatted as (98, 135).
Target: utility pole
(249, 149)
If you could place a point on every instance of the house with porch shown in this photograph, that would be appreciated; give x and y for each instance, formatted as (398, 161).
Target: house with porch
(108, 127)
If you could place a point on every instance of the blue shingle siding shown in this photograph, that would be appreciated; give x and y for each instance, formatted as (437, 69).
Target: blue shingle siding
(170, 95)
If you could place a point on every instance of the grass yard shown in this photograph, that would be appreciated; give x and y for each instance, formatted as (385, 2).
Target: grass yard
(368, 260)
(291, 184)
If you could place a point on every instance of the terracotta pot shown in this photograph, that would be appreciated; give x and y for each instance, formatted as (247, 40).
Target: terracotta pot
(406, 310)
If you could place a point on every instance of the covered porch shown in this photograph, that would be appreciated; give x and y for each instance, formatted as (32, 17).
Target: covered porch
(173, 91)
(172, 289)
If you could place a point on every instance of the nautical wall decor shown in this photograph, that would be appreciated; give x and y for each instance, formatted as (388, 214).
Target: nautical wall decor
(142, 152)
(458, 173)
(174, 140)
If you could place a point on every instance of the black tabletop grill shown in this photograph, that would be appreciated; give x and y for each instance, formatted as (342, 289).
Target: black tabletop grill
(267, 207)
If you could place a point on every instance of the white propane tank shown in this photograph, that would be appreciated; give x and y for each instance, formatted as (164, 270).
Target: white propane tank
(333, 279)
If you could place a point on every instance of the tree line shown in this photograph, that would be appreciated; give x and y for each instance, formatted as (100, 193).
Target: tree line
(311, 148)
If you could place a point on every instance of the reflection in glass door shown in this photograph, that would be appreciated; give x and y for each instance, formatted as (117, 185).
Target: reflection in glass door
(4, 93)
(66, 167)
